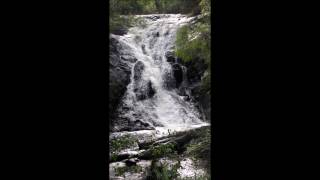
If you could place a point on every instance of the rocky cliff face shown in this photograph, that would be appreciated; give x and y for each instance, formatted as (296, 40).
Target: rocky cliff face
(195, 72)
(120, 63)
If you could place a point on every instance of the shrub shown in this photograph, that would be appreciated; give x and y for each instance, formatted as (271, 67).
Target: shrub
(162, 150)
(120, 143)
(164, 171)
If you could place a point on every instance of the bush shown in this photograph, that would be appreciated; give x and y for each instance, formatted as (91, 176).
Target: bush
(121, 143)
(162, 150)
(133, 169)
(164, 171)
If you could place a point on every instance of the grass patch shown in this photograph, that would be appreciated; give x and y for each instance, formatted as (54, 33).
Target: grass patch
(133, 169)
(199, 150)
(118, 144)
(162, 150)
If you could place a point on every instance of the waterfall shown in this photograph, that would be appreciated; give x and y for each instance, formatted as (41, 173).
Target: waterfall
(153, 94)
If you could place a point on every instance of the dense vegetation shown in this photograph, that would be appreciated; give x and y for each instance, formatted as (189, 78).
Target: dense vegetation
(127, 7)
(198, 38)
(132, 7)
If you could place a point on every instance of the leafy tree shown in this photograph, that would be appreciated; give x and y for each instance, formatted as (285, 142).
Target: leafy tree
(198, 38)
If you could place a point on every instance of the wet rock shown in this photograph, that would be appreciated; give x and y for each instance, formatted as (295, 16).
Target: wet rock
(195, 70)
(205, 102)
(169, 81)
(119, 77)
(179, 60)
(151, 90)
(140, 125)
(186, 98)
(138, 70)
(170, 56)
(152, 42)
(155, 123)
(156, 57)
(155, 34)
(178, 74)
(182, 90)
(114, 46)
(166, 33)
(132, 161)
(143, 47)
(119, 31)
(126, 124)
(129, 58)
(144, 90)
(154, 18)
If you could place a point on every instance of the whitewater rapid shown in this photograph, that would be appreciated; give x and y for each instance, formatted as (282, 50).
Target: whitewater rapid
(149, 44)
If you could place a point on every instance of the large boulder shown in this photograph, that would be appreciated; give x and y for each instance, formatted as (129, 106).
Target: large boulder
(195, 71)
(144, 90)
(120, 61)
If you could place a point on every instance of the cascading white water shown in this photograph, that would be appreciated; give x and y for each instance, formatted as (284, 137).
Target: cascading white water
(149, 45)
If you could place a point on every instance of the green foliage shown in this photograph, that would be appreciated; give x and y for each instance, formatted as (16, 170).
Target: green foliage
(118, 144)
(133, 169)
(193, 42)
(133, 7)
(162, 150)
(205, 6)
(178, 6)
(200, 147)
(122, 143)
(164, 171)
(126, 7)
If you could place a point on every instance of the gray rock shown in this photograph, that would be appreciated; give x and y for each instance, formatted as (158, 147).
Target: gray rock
(170, 56)
(132, 161)
(169, 80)
(178, 74)
(120, 31)
(143, 47)
(127, 124)
(128, 58)
(119, 75)
(138, 70)
(144, 89)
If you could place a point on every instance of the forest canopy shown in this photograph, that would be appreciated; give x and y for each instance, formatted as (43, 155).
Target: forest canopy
(126, 7)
